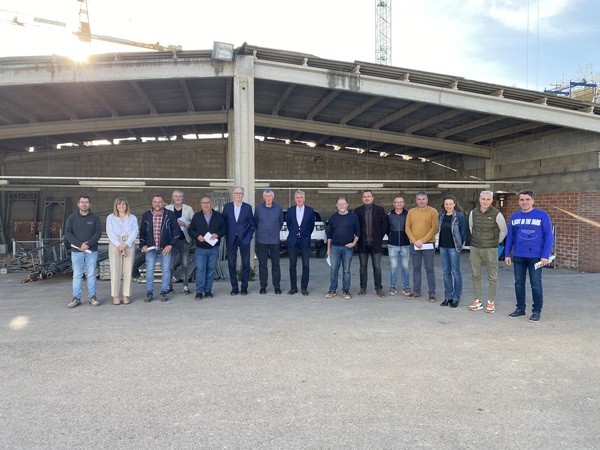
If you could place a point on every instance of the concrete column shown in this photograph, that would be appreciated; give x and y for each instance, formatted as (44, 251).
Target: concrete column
(490, 165)
(240, 124)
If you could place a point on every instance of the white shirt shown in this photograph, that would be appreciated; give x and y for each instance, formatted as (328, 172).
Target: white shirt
(299, 214)
(117, 228)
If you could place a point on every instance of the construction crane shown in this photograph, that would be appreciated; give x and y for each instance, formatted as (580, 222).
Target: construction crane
(383, 32)
(85, 33)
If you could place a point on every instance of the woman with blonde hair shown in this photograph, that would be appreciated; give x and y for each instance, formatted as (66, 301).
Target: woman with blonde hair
(122, 229)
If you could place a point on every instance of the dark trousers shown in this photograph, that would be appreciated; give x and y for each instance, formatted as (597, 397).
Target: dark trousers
(182, 248)
(363, 258)
(264, 252)
(232, 250)
(293, 255)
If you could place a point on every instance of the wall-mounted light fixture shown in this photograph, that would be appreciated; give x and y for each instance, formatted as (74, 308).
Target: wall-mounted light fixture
(463, 186)
(354, 186)
(501, 197)
(222, 51)
(116, 183)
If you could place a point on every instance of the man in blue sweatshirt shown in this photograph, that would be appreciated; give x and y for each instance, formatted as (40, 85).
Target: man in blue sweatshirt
(529, 242)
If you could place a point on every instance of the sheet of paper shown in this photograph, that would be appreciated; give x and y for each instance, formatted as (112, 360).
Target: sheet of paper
(209, 239)
(537, 265)
(426, 246)
(86, 251)
(328, 260)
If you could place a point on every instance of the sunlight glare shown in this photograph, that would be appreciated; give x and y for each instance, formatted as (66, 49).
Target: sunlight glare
(19, 322)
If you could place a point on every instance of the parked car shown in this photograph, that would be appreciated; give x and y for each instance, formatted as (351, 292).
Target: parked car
(318, 238)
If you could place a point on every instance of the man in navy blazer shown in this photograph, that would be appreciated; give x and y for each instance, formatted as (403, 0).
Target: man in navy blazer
(240, 230)
(300, 224)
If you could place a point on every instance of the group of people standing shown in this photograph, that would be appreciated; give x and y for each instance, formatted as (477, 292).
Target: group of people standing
(414, 235)
(168, 230)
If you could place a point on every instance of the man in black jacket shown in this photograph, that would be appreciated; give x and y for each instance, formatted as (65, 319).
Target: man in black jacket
(206, 230)
(83, 231)
(373, 226)
(159, 232)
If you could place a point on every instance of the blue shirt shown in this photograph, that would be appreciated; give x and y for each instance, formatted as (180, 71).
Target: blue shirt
(530, 234)
(343, 228)
(268, 223)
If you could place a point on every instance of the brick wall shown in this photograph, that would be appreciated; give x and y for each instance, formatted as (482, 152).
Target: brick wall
(577, 242)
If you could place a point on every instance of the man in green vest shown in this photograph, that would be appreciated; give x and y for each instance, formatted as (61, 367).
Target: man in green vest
(488, 229)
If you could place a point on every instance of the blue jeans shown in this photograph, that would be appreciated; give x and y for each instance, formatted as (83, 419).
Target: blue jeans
(521, 266)
(399, 254)
(427, 257)
(206, 261)
(340, 254)
(452, 275)
(79, 260)
(165, 265)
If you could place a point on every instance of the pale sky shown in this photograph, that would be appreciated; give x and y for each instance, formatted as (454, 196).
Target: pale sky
(529, 44)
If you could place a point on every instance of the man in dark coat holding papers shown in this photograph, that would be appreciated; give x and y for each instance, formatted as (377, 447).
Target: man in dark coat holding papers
(206, 230)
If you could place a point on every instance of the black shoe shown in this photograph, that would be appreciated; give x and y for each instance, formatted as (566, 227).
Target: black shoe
(163, 296)
(235, 291)
(198, 296)
(446, 302)
(535, 317)
(278, 290)
(454, 304)
(244, 291)
(304, 291)
(170, 289)
(148, 298)
(517, 313)
(262, 291)
(208, 294)
(292, 291)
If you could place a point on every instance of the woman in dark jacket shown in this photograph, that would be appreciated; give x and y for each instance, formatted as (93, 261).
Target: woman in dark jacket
(451, 237)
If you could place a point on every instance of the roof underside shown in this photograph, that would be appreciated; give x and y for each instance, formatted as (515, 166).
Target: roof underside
(353, 117)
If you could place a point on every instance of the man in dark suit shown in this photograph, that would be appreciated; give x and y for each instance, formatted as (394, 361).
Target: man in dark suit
(300, 224)
(240, 230)
(373, 226)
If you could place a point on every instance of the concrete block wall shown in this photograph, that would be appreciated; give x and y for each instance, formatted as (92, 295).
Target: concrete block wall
(289, 162)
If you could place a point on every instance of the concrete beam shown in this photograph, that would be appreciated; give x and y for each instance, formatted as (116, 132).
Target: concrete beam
(111, 123)
(127, 70)
(371, 135)
(406, 90)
